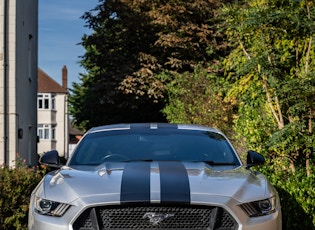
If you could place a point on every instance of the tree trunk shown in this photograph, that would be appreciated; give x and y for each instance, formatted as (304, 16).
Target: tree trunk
(307, 156)
(307, 164)
(292, 167)
(277, 114)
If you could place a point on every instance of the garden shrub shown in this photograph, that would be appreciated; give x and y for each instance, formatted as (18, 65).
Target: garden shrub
(16, 186)
(297, 196)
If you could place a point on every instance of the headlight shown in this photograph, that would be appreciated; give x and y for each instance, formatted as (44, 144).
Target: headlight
(49, 207)
(260, 208)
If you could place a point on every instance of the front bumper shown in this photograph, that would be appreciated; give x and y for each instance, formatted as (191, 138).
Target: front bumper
(270, 222)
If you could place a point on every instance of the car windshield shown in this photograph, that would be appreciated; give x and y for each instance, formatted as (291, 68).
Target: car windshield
(154, 145)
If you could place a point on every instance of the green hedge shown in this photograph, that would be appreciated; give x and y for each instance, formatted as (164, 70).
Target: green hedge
(297, 195)
(16, 186)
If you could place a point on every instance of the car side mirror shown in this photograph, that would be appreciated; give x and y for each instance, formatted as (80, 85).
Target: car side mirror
(50, 159)
(254, 158)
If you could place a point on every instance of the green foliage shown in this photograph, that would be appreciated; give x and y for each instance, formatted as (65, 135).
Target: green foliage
(255, 125)
(198, 98)
(271, 72)
(292, 143)
(297, 194)
(15, 188)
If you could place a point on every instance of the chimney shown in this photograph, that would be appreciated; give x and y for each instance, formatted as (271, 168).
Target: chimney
(65, 77)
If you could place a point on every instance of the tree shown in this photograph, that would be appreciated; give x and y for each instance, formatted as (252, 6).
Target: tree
(112, 50)
(131, 44)
(272, 70)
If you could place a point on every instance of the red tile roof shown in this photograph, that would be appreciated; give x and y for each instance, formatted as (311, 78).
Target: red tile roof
(48, 85)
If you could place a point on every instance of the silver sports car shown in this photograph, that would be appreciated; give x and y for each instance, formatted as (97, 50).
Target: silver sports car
(154, 176)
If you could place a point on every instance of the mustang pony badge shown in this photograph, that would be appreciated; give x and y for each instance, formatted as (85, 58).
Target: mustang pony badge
(156, 218)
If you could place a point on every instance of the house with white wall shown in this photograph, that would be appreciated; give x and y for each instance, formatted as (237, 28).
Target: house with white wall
(52, 113)
(18, 81)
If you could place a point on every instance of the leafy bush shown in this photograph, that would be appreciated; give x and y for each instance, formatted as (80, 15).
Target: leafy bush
(16, 187)
(297, 194)
(198, 98)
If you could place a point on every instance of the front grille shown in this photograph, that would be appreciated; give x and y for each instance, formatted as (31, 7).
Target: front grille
(155, 217)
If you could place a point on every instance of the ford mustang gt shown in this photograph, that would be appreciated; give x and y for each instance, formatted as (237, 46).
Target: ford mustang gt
(154, 176)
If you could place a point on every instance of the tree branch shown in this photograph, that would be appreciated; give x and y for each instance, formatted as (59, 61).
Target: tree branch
(310, 40)
(278, 118)
(243, 48)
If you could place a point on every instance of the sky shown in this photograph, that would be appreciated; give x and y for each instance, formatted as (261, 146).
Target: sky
(60, 29)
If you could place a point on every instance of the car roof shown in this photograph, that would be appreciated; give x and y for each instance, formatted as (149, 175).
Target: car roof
(131, 126)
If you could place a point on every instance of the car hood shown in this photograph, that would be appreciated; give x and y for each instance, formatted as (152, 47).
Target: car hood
(155, 182)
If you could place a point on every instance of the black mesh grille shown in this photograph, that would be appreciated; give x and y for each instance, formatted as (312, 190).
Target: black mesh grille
(155, 217)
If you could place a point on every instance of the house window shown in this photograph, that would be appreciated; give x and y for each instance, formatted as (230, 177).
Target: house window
(46, 101)
(46, 132)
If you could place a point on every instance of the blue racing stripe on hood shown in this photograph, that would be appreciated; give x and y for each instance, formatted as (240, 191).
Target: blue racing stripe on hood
(174, 182)
(135, 184)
